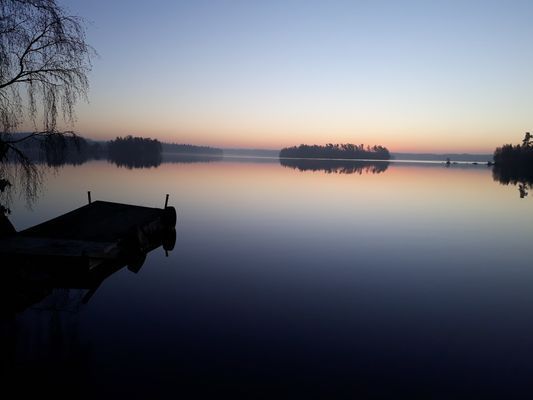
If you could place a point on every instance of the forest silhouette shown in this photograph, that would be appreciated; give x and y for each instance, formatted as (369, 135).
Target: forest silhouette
(513, 165)
(134, 152)
(336, 151)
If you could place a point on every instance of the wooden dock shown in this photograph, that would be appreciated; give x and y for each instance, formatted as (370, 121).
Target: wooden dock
(78, 250)
(92, 234)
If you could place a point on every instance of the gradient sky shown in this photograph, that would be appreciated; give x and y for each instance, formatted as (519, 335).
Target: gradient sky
(411, 75)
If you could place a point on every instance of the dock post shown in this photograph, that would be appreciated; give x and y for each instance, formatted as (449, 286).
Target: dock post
(89, 196)
(166, 201)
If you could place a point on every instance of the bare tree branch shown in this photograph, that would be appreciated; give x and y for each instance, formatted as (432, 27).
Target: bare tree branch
(42, 51)
(44, 66)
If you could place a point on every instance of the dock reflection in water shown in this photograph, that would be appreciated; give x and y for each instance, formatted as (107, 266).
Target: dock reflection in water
(81, 249)
(47, 281)
(27, 282)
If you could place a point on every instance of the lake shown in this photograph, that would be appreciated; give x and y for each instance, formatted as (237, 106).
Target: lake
(293, 280)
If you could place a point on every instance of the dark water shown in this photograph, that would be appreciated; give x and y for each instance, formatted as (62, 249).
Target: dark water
(285, 282)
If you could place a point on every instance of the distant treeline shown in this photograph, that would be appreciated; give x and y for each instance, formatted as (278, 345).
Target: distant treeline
(336, 151)
(479, 158)
(185, 158)
(190, 149)
(56, 150)
(129, 151)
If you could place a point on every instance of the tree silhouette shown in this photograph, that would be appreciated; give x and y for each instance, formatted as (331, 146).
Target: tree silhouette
(44, 54)
(44, 62)
(336, 151)
(134, 152)
(526, 142)
(517, 156)
(514, 165)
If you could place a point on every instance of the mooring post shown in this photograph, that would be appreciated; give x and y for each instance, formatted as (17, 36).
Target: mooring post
(166, 201)
(89, 196)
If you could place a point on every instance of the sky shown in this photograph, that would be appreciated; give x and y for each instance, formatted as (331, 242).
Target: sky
(421, 76)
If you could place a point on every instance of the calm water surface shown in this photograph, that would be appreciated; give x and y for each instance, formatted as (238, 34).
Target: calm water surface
(288, 282)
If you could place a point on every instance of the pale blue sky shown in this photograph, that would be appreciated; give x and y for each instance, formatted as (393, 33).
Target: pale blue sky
(410, 75)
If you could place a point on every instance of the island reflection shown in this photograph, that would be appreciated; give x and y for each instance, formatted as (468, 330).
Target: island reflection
(514, 175)
(127, 161)
(335, 166)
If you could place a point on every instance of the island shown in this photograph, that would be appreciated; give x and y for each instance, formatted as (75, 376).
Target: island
(336, 151)
(518, 156)
(513, 164)
(134, 152)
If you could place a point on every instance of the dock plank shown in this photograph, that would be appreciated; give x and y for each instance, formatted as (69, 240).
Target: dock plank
(100, 221)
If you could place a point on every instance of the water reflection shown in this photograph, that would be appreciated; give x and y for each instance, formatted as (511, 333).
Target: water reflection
(19, 179)
(127, 160)
(415, 282)
(59, 159)
(56, 151)
(43, 287)
(23, 167)
(31, 279)
(42, 296)
(179, 158)
(131, 162)
(517, 176)
(25, 179)
(335, 166)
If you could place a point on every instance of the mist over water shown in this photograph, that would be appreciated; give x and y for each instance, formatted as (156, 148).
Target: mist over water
(290, 279)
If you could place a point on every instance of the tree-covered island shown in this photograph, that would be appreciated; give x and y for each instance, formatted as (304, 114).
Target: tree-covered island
(134, 152)
(336, 151)
(518, 156)
(513, 164)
